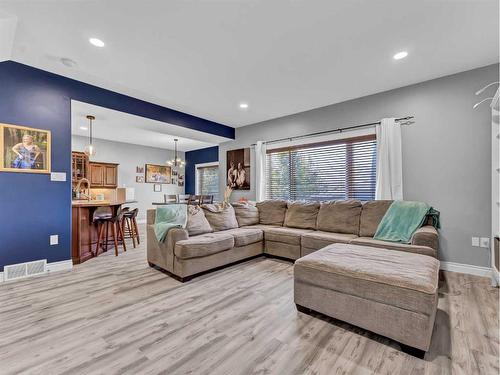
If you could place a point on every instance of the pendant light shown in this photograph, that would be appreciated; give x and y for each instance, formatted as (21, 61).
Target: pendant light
(176, 162)
(90, 148)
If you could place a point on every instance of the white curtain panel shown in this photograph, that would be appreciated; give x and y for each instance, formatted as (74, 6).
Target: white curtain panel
(260, 171)
(389, 160)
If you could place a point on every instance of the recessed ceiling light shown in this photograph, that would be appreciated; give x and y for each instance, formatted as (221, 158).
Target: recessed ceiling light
(243, 105)
(400, 55)
(84, 128)
(96, 42)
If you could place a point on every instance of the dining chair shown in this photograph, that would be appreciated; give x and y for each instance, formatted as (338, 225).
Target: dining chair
(183, 198)
(207, 199)
(169, 198)
(195, 200)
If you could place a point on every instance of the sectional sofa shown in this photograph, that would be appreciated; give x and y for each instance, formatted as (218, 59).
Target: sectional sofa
(218, 235)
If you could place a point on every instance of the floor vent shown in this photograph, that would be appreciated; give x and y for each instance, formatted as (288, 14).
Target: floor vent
(22, 270)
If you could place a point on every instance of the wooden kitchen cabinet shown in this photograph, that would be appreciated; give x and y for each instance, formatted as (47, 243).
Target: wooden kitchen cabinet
(79, 166)
(103, 175)
(96, 174)
(110, 175)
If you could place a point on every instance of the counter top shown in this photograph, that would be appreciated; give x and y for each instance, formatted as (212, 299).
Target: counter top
(96, 203)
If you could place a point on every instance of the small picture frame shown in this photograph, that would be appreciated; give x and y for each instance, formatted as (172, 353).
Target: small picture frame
(139, 169)
(139, 179)
(157, 188)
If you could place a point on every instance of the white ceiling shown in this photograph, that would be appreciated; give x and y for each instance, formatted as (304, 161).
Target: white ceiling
(280, 56)
(123, 127)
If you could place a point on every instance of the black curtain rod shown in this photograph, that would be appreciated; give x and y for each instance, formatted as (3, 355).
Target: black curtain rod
(338, 130)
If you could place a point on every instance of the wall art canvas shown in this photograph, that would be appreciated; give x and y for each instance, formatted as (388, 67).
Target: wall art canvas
(238, 169)
(158, 174)
(24, 149)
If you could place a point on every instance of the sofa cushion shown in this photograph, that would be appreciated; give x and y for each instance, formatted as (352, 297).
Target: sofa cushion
(372, 213)
(197, 223)
(203, 245)
(408, 281)
(246, 213)
(272, 212)
(369, 241)
(285, 235)
(245, 236)
(340, 216)
(220, 216)
(301, 215)
(318, 239)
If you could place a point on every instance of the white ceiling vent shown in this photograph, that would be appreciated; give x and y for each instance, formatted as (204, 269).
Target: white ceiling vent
(22, 270)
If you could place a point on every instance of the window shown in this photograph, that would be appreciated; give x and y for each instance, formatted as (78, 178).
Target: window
(340, 169)
(207, 179)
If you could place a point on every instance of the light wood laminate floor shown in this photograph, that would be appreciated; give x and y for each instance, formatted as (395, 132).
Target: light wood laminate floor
(116, 315)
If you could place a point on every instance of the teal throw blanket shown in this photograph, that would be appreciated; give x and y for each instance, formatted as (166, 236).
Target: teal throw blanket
(403, 218)
(168, 217)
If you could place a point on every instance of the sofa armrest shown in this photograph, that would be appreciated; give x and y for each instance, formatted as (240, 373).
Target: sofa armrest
(426, 236)
(162, 253)
(150, 216)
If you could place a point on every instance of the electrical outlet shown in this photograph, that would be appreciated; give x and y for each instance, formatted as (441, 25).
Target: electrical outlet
(54, 239)
(484, 242)
(475, 241)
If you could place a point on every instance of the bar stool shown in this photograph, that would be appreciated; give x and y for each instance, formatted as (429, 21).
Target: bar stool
(129, 226)
(207, 199)
(103, 218)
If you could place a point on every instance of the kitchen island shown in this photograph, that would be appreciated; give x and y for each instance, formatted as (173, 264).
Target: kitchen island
(84, 231)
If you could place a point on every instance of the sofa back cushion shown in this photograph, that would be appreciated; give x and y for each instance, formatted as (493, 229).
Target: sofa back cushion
(371, 215)
(220, 216)
(340, 216)
(272, 212)
(197, 223)
(301, 214)
(246, 213)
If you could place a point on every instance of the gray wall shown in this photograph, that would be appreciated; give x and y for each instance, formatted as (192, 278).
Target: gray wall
(129, 157)
(446, 152)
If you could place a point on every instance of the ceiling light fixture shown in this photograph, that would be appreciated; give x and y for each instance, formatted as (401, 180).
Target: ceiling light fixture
(176, 162)
(96, 42)
(243, 105)
(400, 55)
(90, 148)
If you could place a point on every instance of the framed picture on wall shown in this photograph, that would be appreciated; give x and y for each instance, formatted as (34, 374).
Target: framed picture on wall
(24, 149)
(157, 188)
(238, 169)
(139, 179)
(180, 181)
(158, 174)
(139, 169)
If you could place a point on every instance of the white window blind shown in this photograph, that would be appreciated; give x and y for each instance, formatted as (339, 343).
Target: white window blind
(340, 169)
(208, 180)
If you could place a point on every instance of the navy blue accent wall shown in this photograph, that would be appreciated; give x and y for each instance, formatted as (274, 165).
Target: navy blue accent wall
(203, 155)
(31, 206)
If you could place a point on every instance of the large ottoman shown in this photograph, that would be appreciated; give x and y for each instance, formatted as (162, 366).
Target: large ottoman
(391, 293)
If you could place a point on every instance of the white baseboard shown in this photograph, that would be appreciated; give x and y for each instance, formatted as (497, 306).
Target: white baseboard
(51, 267)
(466, 268)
